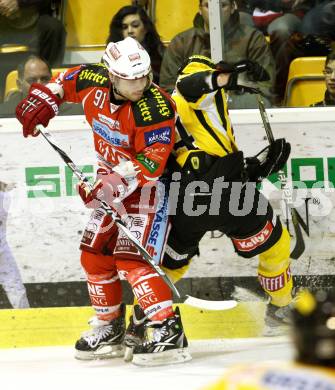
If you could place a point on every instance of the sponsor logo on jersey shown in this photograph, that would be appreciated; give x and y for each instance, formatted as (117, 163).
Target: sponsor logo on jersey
(71, 75)
(154, 107)
(161, 217)
(162, 135)
(142, 289)
(149, 164)
(288, 274)
(89, 74)
(145, 295)
(296, 380)
(109, 154)
(151, 250)
(156, 228)
(113, 124)
(274, 283)
(137, 224)
(156, 152)
(251, 243)
(144, 110)
(163, 108)
(175, 255)
(111, 136)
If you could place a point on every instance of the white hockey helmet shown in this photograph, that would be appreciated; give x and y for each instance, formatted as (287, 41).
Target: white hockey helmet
(127, 59)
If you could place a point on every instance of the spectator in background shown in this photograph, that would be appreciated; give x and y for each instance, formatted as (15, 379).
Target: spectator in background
(280, 17)
(10, 278)
(132, 21)
(329, 72)
(320, 19)
(240, 42)
(245, 16)
(30, 22)
(297, 45)
(33, 70)
(146, 4)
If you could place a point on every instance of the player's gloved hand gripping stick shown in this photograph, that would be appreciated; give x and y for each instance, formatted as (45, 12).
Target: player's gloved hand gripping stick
(204, 304)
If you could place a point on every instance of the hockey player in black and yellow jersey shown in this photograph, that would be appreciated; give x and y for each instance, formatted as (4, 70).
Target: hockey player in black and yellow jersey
(218, 180)
(313, 331)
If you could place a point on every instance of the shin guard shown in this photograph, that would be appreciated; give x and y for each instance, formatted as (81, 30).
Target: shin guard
(104, 286)
(152, 293)
(274, 271)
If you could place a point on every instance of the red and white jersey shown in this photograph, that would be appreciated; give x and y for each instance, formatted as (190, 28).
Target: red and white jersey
(141, 132)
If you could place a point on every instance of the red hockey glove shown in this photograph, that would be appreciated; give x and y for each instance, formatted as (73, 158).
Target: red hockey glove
(88, 196)
(109, 186)
(37, 108)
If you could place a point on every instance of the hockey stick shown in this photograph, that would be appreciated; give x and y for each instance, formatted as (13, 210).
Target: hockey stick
(108, 209)
(299, 247)
(209, 305)
(191, 301)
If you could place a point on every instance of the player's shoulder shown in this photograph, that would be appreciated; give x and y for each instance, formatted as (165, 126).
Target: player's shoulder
(91, 75)
(155, 106)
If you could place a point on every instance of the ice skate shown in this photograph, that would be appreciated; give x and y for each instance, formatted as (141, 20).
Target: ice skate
(104, 341)
(135, 333)
(277, 320)
(168, 344)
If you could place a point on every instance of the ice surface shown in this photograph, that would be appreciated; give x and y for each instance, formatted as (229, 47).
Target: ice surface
(55, 367)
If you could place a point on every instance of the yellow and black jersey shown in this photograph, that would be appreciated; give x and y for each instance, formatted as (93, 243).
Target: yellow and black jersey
(203, 122)
(275, 376)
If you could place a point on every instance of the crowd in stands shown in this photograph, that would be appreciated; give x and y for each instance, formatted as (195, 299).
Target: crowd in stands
(32, 25)
(271, 32)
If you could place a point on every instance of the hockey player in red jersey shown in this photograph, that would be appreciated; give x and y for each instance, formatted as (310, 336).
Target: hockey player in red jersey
(133, 128)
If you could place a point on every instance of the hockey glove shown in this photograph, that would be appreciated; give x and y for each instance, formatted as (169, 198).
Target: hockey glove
(269, 160)
(251, 69)
(109, 186)
(90, 196)
(37, 109)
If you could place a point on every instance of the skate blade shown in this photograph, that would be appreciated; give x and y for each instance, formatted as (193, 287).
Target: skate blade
(273, 331)
(128, 354)
(103, 352)
(173, 356)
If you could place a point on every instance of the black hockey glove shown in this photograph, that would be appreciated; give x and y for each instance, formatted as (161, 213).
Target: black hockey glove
(269, 160)
(253, 71)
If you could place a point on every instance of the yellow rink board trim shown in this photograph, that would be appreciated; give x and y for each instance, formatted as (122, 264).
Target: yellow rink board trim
(62, 326)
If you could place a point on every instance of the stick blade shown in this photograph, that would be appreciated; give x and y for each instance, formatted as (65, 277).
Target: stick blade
(299, 247)
(209, 305)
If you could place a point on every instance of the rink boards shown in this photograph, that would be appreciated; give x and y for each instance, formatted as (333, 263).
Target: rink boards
(62, 326)
(46, 220)
(46, 217)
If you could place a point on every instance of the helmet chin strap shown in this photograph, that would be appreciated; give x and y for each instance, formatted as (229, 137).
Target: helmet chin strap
(117, 92)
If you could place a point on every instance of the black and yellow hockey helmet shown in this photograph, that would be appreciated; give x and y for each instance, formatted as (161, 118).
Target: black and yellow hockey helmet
(314, 327)
(196, 63)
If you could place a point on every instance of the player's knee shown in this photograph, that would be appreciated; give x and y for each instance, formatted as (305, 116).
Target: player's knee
(126, 266)
(96, 264)
(176, 274)
(278, 252)
(178, 255)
